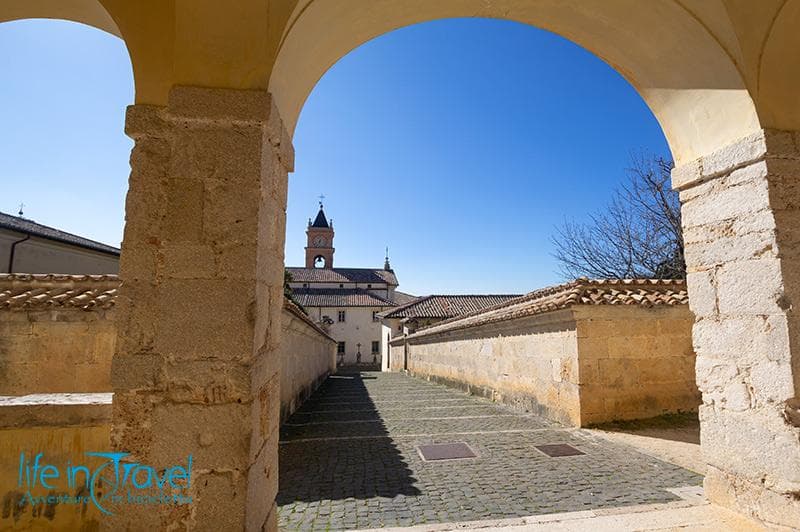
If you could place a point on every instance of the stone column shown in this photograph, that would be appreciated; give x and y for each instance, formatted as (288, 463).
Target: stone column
(741, 221)
(199, 311)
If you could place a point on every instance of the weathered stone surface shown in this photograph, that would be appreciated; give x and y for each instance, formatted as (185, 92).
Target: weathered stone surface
(201, 300)
(740, 213)
(589, 364)
(58, 350)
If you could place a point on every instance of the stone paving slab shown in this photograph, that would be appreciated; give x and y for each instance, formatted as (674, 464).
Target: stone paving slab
(369, 474)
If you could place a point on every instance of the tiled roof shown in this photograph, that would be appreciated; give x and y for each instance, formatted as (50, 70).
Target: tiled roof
(401, 298)
(338, 297)
(296, 311)
(342, 275)
(441, 306)
(23, 225)
(24, 291)
(641, 292)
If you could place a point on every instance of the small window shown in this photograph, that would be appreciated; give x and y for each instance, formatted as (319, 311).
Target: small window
(369, 286)
(375, 315)
(376, 347)
(340, 348)
(341, 286)
(305, 285)
(342, 316)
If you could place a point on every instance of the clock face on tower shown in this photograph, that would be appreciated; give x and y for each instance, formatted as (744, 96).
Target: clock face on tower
(320, 241)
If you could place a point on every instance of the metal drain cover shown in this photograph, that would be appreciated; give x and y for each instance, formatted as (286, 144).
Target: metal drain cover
(445, 451)
(559, 449)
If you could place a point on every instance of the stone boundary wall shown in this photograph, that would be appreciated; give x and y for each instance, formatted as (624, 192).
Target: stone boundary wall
(51, 351)
(583, 365)
(62, 427)
(510, 362)
(57, 335)
(308, 356)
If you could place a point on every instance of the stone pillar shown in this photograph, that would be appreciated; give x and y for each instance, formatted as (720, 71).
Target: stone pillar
(199, 310)
(741, 222)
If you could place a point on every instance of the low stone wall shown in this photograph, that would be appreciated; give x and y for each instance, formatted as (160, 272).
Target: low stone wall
(63, 428)
(582, 365)
(57, 333)
(530, 363)
(308, 356)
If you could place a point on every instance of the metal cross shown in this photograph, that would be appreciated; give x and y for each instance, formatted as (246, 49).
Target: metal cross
(21, 206)
(321, 198)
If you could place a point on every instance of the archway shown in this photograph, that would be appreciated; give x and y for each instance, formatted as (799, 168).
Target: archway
(65, 159)
(212, 83)
(709, 75)
(353, 136)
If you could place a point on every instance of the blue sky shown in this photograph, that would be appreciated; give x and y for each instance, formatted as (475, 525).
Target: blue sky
(460, 144)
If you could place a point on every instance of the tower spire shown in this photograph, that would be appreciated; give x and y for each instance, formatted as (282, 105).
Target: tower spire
(319, 249)
(386, 265)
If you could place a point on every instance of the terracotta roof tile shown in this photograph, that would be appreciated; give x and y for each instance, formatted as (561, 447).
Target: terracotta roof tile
(25, 291)
(342, 275)
(447, 306)
(401, 298)
(338, 297)
(642, 292)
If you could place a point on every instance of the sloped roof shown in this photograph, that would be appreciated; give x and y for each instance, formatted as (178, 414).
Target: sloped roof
(447, 306)
(641, 292)
(401, 298)
(338, 297)
(24, 291)
(320, 220)
(342, 275)
(23, 225)
(296, 311)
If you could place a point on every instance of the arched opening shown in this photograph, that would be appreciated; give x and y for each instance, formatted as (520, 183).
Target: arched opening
(219, 91)
(700, 91)
(687, 94)
(470, 148)
(65, 165)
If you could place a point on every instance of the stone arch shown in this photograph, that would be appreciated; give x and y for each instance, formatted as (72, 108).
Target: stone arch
(682, 71)
(88, 12)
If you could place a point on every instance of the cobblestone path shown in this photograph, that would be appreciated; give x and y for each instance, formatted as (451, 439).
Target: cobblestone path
(349, 459)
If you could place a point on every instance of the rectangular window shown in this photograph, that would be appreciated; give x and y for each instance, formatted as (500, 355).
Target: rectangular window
(376, 347)
(340, 348)
(342, 316)
(375, 315)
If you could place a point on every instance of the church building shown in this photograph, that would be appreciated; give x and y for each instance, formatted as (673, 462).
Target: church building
(346, 301)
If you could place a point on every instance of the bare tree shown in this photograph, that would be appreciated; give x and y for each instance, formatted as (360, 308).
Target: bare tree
(638, 235)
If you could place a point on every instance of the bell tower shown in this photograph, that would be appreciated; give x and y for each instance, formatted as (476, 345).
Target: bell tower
(319, 247)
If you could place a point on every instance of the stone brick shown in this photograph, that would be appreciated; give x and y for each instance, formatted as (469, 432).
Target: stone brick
(196, 325)
(741, 252)
(751, 287)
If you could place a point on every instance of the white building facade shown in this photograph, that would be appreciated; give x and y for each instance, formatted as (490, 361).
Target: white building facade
(346, 301)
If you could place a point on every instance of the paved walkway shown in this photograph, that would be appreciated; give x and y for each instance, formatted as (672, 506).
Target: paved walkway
(349, 459)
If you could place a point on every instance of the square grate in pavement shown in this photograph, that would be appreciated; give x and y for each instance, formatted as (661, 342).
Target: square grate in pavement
(445, 451)
(559, 449)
